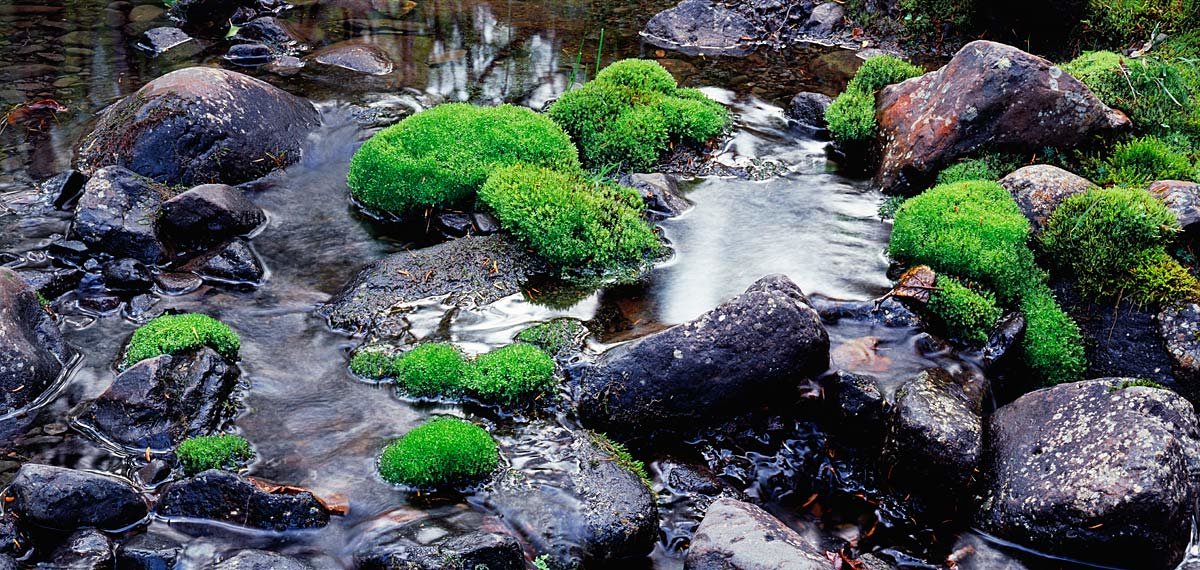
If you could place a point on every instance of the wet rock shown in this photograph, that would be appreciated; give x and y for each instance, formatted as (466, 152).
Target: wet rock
(936, 436)
(989, 95)
(808, 109)
(485, 224)
(1179, 326)
(732, 357)
(116, 215)
(736, 535)
(51, 282)
(1182, 198)
(285, 65)
(972, 552)
(200, 125)
(148, 552)
(859, 400)
(65, 187)
(886, 313)
(356, 56)
(400, 547)
(228, 497)
(1007, 334)
(1040, 188)
(249, 54)
(825, 19)
(572, 500)
(701, 27)
(32, 351)
(156, 41)
(84, 550)
(271, 31)
(208, 214)
(235, 263)
(207, 18)
(8, 563)
(127, 275)
(69, 250)
(159, 402)
(177, 283)
(1095, 472)
(459, 269)
(99, 303)
(455, 224)
(14, 541)
(67, 499)
(660, 193)
(259, 560)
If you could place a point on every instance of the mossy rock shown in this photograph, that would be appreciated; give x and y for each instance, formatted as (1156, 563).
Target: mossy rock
(967, 313)
(202, 453)
(171, 334)
(443, 454)
(558, 337)
(851, 116)
(1159, 95)
(511, 375)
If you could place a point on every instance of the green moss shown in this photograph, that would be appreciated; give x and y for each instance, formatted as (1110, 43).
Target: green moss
(1135, 383)
(431, 370)
(966, 313)
(514, 374)
(1156, 277)
(889, 206)
(991, 167)
(851, 116)
(440, 157)
(927, 19)
(883, 70)
(1052, 345)
(202, 453)
(574, 224)
(631, 112)
(1156, 94)
(441, 454)
(373, 362)
(1120, 21)
(172, 334)
(622, 456)
(1140, 161)
(556, 337)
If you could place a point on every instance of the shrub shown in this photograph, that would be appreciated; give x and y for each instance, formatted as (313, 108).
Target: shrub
(1154, 93)
(556, 336)
(172, 334)
(1140, 161)
(513, 374)
(572, 223)
(966, 313)
(851, 116)
(631, 111)
(431, 370)
(443, 453)
(202, 453)
(440, 157)
(1052, 345)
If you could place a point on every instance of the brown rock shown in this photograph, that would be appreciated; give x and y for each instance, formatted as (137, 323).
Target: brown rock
(1182, 198)
(1040, 188)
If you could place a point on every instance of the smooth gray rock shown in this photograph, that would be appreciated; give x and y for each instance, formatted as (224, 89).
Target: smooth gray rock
(736, 535)
(67, 499)
(157, 41)
(1179, 326)
(84, 550)
(235, 263)
(356, 56)
(400, 547)
(825, 19)
(259, 560)
(808, 109)
(32, 350)
(1182, 198)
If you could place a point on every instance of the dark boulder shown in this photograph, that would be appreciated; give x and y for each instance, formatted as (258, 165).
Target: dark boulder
(660, 193)
(702, 27)
(127, 274)
(84, 550)
(208, 18)
(159, 402)
(32, 350)
(156, 41)
(51, 282)
(1182, 198)
(201, 125)
(1097, 470)
(1040, 188)
(148, 552)
(808, 109)
(231, 498)
(67, 499)
(989, 95)
(736, 535)
(251, 54)
(735, 356)
(355, 56)
(271, 31)
(235, 263)
(117, 212)
(259, 560)
(860, 402)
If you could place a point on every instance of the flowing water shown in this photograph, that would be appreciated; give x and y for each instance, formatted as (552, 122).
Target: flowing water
(314, 424)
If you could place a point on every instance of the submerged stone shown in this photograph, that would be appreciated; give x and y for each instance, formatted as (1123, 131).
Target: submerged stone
(702, 27)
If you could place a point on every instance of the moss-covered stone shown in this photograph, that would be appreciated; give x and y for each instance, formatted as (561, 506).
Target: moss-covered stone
(442, 454)
(514, 374)
(557, 337)
(202, 453)
(966, 313)
(851, 116)
(171, 334)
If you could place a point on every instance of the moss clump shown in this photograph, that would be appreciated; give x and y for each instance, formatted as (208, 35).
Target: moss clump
(441, 454)
(1135, 383)
(630, 113)
(927, 19)
(851, 117)
(622, 456)
(967, 314)
(556, 336)
(988, 167)
(1052, 345)
(1120, 21)
(1156, 94)
(513, 374)
(202, 453)
(1112, 241)
(439, 158)
(1140, 161)
(172, 334)
(574, 224)
(373, 362)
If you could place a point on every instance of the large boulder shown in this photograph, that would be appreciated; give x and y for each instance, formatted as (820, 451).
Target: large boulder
(989, 95)
(1040, 188)
(702, 27)
(200, 125)
(117, 214)
(159, 402)
(735, 535)
(67, 499)
(32, 351)
(231, 498)
(732, 357)
(1182, 198)
(1097, 470)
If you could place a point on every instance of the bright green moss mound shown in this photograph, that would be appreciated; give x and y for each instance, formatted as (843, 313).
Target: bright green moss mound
(1156, 94)
(851, 116)
(172, 334)
(202, 453)
(511, 375)
(1140, 161)
(967, 314)
(572, 223)
(441, 454)
(435, 369)
(631, 112)
(1052, 345)
(439, 158)
(1113, 241)
(556, 336)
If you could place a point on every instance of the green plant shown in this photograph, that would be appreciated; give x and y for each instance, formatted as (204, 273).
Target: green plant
(631, 111)
(966, 313)
(542, 562)
(1140, 161)
(431, 370)
(1121, 21)
(513, 374)
(928, 18)
(851, 116)
(622, 456)
(206, 452)
(988, 167)
(440, 157)
(573, 224)
(373, 362)
(1156, 277)
(1156, 94)
(172, 334)
(882, 70)
(443, 453)
(1135, 383)
(556, 336)
(1052, 345)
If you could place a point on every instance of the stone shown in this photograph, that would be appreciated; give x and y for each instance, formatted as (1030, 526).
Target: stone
(733, 357)
(887, 313)
(67, 499)
(200, 125)
(1040, 188)
(355, 56)
(859, 400)
(228, 497)
(485, 223)
(259, 560)
(14, 541)
(1007, 333)
(1179, 326)
(271, 31)
(65, 187)
(235, 263)
(736, 535)
(71, 251)
(84, 550)
(455, 224)
(177, 282)
(32, 350)
(1182, 198)
(702, 27)
(127, 275)
(160, 401)
(660, 193)
(400, 547)
(460, 270)
(156, 41)
(117, 212)
(808, 109)
(51, 282)
(208, 214)
(148, 551)
(251, 54)
(1093, 471)
(825, 19)
(989, 96)
(207, 18)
